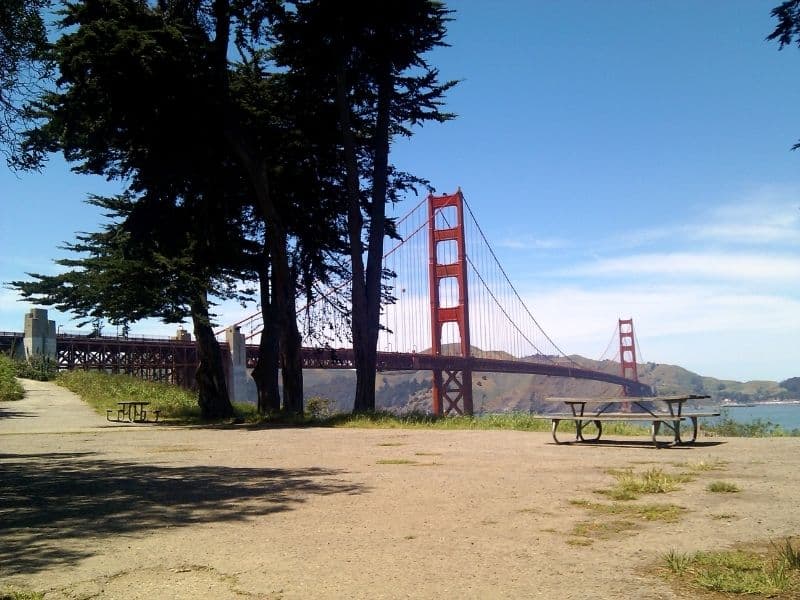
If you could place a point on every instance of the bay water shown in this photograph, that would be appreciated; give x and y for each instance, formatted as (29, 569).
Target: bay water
(785, 415)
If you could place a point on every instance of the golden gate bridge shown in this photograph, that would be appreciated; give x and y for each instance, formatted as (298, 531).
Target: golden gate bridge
(451, 309)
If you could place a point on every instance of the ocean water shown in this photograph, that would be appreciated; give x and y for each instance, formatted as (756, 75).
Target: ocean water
(785, 415)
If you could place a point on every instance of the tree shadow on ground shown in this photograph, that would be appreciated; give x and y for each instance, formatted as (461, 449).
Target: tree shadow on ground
(51, 503)
(639, 443)
(7, 413)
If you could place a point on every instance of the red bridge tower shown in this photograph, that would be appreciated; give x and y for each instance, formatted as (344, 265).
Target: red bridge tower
(452, 386)
(627, 351)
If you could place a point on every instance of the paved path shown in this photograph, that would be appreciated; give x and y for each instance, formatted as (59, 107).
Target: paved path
(47, 408)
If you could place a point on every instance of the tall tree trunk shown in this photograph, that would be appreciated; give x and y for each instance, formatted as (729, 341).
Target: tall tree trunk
(282, 286)
(366, 294)
(265, 373)
(210, 376)
(283, 280)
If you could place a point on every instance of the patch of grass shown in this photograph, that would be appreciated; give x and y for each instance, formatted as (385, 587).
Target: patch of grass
(392, 444)
(175, 448)
(677, 562)
(724, 487)
(579, 542)
(102, 391)
(14, 594)
(763, 574)
(416, 420)
(723, 516)
(386, 420)
(427, 453)
(738, 572)
(10, 388)
(603, 530)
(788, 554)
(668, 513)
(630, 485)
(396, 461)
(703, 465)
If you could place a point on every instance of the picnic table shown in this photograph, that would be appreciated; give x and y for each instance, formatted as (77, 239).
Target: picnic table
(658, 410)
(132, 411)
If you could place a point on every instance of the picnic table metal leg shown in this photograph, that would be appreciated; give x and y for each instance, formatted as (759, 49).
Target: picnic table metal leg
(580, 426)
(685, 438)
(553, 427)
(654, 428)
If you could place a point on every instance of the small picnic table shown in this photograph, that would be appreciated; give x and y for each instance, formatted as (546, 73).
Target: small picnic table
(658, 410)
(133, 411)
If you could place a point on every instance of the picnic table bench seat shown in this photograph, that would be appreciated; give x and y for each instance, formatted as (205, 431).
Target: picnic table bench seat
(585, 411)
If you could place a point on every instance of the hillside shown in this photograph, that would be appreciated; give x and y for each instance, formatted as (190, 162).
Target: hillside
(411, 390)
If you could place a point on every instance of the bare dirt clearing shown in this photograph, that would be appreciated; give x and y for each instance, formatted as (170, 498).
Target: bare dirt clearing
(90, 509)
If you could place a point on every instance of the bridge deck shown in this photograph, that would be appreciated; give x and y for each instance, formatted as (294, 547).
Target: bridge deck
(175, 360)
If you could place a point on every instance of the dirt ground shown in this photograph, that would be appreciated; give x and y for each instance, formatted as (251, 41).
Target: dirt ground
(92, 509)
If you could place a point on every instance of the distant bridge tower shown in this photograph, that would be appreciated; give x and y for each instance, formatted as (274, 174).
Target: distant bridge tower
(452, 386)
(627, 351)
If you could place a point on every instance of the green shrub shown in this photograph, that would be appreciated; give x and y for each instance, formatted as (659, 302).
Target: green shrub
(10, 388)
(727, 427)
(38, 368)
(319, 407)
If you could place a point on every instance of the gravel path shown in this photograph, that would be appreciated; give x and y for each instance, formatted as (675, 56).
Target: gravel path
(91, 509)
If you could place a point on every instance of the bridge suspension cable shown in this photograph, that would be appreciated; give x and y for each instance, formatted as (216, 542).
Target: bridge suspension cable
(501, 322)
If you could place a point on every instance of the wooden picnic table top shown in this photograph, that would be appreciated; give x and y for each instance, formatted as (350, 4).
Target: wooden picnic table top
(628, 399)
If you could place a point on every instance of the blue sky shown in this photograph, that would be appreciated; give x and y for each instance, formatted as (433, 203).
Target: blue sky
(625, 159)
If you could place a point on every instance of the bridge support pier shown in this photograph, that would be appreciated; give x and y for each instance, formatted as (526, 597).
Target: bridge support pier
(453, 388)
(241, 387)
(39, 338)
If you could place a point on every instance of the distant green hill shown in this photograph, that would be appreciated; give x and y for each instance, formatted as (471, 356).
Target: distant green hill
(492, 392)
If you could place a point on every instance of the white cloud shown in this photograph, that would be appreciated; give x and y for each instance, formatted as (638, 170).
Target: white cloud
(726, 332)
(768, 216)
(532, 243)
(710, 265)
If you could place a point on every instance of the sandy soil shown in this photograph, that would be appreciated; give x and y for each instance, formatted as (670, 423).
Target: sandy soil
(91, 509)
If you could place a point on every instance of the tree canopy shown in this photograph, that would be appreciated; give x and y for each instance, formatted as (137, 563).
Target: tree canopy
(24, 65)
(253, 139)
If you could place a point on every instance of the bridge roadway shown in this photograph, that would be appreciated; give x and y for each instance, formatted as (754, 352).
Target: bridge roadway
(175, 360)
(342, 358)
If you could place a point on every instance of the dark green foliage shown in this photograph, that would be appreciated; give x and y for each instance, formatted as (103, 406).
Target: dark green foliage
(124, 275)
(38, 368)
(366, 60)
(10, 388)
(787, 31)
(244, 132)
(757, 428)
(23, 64)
